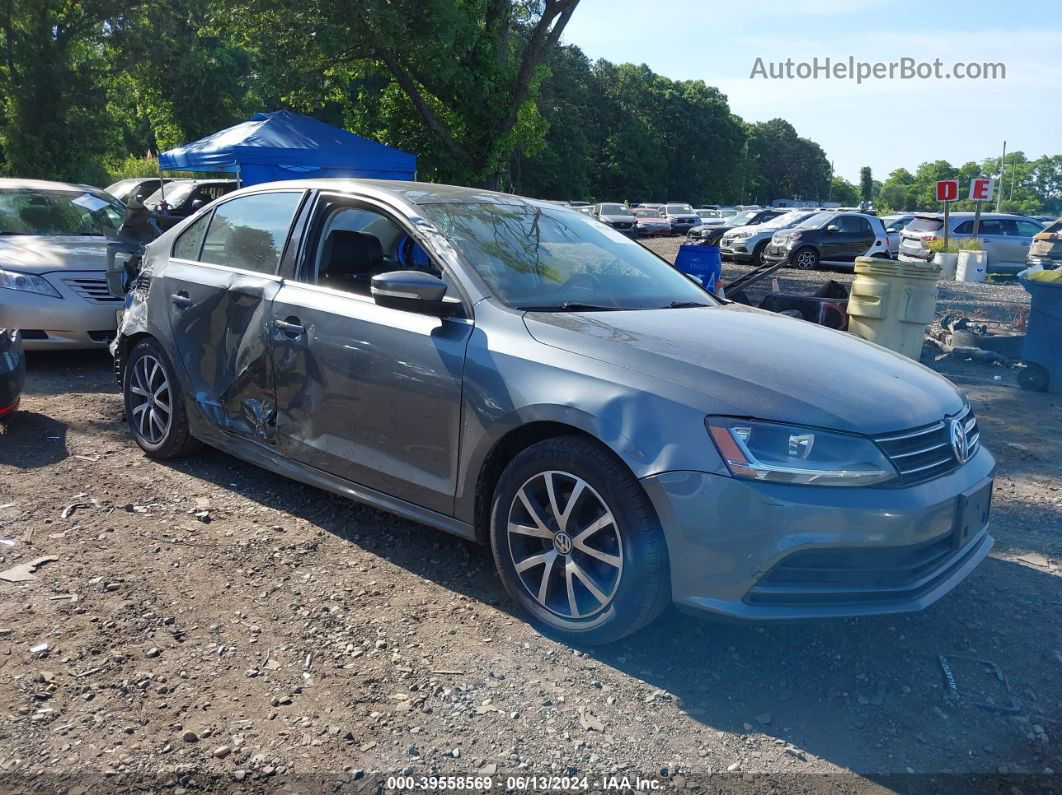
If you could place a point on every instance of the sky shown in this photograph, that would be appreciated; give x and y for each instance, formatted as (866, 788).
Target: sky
(885, 124)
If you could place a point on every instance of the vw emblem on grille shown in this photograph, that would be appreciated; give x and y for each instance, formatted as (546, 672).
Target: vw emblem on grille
(959, 443)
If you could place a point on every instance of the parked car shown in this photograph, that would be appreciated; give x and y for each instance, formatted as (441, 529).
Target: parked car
(53, 262)
(681, 217)
(1046, 248)
(12, 370)
(135, 189)
(893, 224)
(711, 235)
(516, 373)
(182, 197)
(747, 243)
(710, 217)
(1007, 238)
(650, 223)
(618, 216)
(828, 238)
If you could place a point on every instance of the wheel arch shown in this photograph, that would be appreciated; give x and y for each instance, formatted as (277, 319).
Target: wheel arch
(507, 447)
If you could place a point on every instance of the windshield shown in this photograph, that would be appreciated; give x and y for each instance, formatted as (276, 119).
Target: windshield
(709, 214)
(175, 195)
(550, 259)
(815, 221)
(785, 219)
(58, 212)
(742, 218)
(615, 209)
(679, 208)
(647, 214)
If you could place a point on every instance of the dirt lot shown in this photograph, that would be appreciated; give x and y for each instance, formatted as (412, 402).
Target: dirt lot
(207, 623)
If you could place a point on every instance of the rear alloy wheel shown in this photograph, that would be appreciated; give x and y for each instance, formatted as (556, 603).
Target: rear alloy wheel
(806, 259)
(577, 543)
(153, 404)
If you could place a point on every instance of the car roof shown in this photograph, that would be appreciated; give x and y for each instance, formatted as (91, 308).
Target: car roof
(15, 183)
(984, 216)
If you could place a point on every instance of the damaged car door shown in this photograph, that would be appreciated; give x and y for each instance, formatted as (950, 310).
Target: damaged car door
(366, 392)
(220, 280)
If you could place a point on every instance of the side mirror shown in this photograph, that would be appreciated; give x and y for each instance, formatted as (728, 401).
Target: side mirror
(195, 206)
(833, 228)
(413, 291)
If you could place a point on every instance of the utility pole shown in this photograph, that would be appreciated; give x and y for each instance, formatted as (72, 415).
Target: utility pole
(829, 185)
(1002, 167)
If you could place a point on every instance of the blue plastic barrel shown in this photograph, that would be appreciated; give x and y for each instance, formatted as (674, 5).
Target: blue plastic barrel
(703, 262)
(1043, 338)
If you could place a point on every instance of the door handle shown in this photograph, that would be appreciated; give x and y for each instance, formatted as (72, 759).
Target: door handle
(181, 300)
(290, 328)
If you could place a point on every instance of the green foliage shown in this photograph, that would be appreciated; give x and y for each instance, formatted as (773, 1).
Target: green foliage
(970, 244)
(866, 185)
(843, 192)
(938, 246)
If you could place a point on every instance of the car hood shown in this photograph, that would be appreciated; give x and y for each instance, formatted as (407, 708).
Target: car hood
(684, 216)
(752, 229)
(759, 364)
(47, 253)
(618, 219)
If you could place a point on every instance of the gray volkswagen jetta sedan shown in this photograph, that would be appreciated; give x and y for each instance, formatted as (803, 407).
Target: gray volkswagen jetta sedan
(514, 372)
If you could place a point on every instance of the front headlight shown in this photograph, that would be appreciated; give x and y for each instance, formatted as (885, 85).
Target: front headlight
(791, 454)
(27, 283)
(741, 235)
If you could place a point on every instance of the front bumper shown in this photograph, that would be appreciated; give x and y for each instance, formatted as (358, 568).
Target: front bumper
(12, 377)
(745, 549)
(71, 322)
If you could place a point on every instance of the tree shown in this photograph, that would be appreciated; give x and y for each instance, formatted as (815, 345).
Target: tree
(784, 165)
(843, 192)
(866, 185)
(470, 70)
(53, 83)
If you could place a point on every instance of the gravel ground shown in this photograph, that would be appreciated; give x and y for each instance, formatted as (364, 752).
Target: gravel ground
(207, 623)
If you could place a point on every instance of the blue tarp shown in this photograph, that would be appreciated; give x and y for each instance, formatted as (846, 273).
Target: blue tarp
(285, 145)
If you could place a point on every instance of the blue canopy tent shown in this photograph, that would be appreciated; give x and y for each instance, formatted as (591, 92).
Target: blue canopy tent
(285, 145)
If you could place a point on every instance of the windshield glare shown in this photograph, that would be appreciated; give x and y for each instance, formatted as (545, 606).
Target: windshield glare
(679, 208)
(815, 221)
(176, 193)
(785, 219)
(615, 209)
(742, 218)
(533, 257)
(68, 213)
(647, 214)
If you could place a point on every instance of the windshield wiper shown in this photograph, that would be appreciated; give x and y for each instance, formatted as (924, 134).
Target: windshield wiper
(684, 305)
(571, 306)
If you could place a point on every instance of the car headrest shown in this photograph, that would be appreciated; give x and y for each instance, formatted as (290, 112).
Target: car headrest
(350, 252)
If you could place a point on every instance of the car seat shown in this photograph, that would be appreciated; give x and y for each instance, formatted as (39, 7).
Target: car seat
(349, 260)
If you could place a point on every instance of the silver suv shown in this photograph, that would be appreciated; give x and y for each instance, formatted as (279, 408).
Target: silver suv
(1006, 237)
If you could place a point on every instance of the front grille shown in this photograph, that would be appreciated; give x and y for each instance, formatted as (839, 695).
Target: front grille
(925, 453)
(91, 289)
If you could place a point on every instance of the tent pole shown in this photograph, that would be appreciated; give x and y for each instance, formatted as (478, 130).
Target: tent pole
(162, 182)
(239, 180)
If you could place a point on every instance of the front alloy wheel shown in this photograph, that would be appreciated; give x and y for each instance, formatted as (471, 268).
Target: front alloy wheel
(806, 259)
(577, 543)
(564, 544)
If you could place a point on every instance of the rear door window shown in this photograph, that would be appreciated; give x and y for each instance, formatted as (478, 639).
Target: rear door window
(250, 232)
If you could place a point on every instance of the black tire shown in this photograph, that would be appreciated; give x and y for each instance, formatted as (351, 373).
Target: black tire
(1033, 378)
(642, 587)
(174, 439)
(757, 253)
(805, 259)
(1009, 344)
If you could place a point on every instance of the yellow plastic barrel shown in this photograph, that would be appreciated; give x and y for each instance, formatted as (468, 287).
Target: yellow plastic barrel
(892, 302)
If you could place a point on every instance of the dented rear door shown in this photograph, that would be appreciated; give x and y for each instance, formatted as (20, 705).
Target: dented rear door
(219, 293)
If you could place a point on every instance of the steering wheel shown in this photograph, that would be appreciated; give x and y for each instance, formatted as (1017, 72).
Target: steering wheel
(583, 281)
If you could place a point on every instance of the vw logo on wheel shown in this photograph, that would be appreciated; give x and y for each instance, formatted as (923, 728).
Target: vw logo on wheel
(562, 542)
(959, 443)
